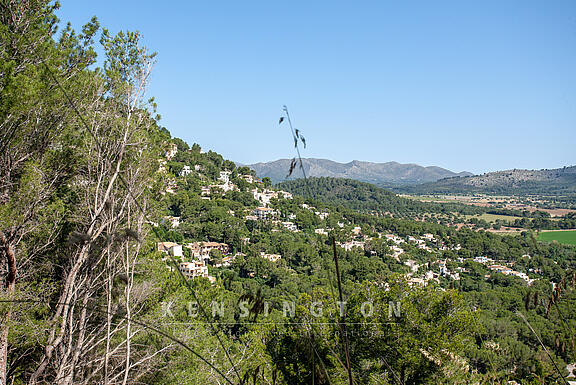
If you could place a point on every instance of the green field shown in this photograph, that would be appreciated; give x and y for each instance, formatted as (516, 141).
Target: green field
(567, 237)
(493, 217)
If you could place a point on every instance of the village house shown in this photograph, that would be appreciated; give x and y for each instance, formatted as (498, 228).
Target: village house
(162, 166)
(482, 259)
(186, 170)
(321, 231)
(203, 249)
(170, 248)
(290, 226)
(416, 281)
(351, 244)
(284, 194)
(263, 213)
(226, 261)
(500, 269)
(248, 178)
(394, 238)
(194, 269)
(173, 221)
(271, 257)
(423, 246)
(225, 187)
(429, 237)
(412, 265)
(508, 271)
(205, 190)
(172, 151)
(396, 252)
(224, 176)
(265, 196)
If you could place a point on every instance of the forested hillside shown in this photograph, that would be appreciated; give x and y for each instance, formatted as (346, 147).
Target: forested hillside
(556, 182)
(128, 256)
(369, 198)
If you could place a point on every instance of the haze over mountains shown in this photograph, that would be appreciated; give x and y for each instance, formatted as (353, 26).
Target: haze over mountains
(389, 173)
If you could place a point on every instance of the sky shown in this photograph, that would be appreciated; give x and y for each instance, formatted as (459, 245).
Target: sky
(470, 86)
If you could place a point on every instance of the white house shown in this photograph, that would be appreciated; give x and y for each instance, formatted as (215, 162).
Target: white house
(170, 248)
(225, 176)
(263, 212)
(290, 226)
(172, 150)
(174, 221)
(194, 269)
(186, 170)
(271, 257)
(351, 244)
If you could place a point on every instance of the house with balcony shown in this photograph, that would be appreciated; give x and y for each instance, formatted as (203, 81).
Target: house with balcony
(194, 269)
(263, 213)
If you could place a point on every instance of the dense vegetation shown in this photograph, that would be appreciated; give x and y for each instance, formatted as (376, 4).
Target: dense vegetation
(89, 183)
(559, 183)
(369, 198)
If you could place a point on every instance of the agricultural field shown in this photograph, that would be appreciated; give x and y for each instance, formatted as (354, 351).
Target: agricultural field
(567, 237)
(491, 218)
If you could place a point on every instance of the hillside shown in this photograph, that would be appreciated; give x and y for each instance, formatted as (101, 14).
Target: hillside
(557, 182)
(129, 256)
(389, 173)
(367, 197)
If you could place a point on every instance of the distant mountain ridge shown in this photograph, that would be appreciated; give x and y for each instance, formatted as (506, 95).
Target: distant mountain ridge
(384, 174)
(560, 181)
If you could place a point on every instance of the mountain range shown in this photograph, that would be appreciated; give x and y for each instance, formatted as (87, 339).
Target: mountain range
(383, 174)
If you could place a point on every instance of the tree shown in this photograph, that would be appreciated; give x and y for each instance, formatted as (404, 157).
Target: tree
(215, 257)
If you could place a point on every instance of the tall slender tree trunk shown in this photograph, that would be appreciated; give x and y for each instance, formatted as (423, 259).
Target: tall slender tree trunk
(10, 284)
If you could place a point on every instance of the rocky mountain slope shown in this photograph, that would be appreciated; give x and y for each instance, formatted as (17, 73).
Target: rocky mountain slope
(389, 173)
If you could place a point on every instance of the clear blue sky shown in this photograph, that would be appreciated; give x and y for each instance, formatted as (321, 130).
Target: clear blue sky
(476, 86)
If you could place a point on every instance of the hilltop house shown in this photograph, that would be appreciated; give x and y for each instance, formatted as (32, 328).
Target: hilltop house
(172, 150)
